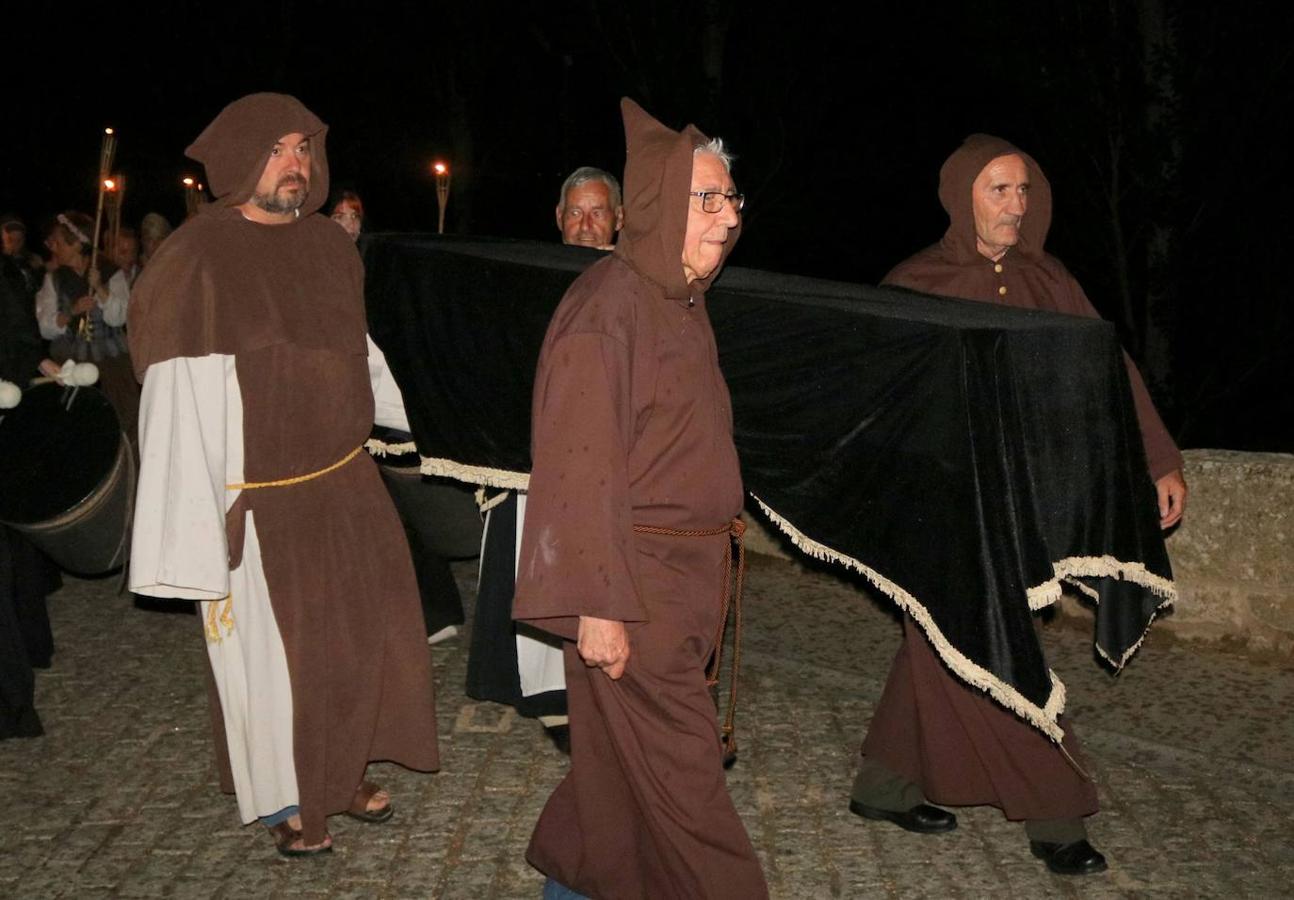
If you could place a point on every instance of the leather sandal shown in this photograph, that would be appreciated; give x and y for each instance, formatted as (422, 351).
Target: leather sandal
(359, 806)
(285, 836)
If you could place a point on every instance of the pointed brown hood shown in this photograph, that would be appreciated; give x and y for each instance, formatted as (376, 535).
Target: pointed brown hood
(236, 146)
(956, 180)
(658, 176)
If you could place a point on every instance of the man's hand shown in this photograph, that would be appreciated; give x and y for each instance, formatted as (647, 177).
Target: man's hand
(1172, 498)
(83, 306)
(604, 643)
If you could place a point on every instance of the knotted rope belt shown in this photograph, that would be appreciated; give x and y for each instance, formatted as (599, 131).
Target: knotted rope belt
(220, 613)
(735, 531)
(296, 479)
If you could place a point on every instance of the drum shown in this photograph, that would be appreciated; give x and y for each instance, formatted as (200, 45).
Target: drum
(67, 477)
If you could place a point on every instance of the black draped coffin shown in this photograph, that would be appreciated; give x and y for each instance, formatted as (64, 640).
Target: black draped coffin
(965, 458)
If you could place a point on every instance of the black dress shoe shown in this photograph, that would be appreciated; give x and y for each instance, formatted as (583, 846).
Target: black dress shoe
(1076, 858)
(920, 819)
(560, 735)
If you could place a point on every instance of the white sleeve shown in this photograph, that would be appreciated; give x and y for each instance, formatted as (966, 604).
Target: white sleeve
(388, 403)
(47, 309)
(186, 416)
(114, 307)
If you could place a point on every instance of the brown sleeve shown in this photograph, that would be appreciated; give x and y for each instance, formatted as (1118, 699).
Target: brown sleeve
(577, 545)
(1162, 455)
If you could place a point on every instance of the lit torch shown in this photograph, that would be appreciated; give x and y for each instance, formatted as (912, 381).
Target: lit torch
(192, 199)
(107, 150)
(114, 189)
(441, 171)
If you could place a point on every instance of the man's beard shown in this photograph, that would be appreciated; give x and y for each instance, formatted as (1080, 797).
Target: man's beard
(293, 201)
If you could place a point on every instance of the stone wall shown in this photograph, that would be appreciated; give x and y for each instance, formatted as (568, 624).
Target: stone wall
(1233, 555)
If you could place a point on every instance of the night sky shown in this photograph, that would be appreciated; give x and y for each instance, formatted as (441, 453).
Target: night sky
(1161, 129)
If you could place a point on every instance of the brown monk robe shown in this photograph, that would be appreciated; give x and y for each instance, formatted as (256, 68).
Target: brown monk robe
(633, 426)
(931, 734)
(280, 309)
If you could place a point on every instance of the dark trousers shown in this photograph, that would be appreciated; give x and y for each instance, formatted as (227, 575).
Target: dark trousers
(26, 642)
(934, 737)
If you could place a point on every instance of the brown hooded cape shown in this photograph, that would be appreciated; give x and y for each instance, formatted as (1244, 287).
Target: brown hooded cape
(286, 301)
(929, 728)
(632, 425)
(1033, 278)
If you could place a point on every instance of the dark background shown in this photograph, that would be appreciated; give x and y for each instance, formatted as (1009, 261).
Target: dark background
(1162, 128)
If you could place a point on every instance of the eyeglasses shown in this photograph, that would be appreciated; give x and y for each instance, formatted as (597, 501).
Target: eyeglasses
(712, 201)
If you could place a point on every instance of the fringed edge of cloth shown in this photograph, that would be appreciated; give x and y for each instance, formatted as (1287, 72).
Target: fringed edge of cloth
(1040, 596)
(499, 478)
(1090, 592)
(1109, 567)
(1043, 718)
(382, 448)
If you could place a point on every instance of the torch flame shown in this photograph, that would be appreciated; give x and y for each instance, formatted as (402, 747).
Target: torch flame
(440, 168)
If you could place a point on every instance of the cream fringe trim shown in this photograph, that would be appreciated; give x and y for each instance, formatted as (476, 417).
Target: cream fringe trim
(499, 478)
(447, 468)
(1109, 567)
(479, 475)
(1042, 718)
(382, 448)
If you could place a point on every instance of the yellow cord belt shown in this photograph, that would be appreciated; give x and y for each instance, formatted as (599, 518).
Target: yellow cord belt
(220, 613)
(285, 482)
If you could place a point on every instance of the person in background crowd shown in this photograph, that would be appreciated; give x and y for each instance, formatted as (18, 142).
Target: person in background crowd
(589, 209)
(153, 229)
(348, 212)
(514, 663)
(126, 254)
(29, 264)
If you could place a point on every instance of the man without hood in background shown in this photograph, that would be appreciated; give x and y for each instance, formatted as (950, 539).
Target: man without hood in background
(589, 211)
(626, 544)
(931, 735)
(507, 664)
(248, 331)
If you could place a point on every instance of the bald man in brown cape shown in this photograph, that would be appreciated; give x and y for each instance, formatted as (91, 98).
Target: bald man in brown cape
(627, 537)
(933, 736)
(248, 331)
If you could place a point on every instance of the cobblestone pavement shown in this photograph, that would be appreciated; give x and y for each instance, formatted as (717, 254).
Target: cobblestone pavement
(1193, 750)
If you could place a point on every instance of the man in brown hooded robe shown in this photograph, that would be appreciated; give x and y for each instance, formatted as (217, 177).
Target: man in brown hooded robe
(247, 329)
(626, 541)
(931, 735)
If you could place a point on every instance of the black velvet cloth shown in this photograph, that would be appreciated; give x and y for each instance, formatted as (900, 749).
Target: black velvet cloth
(959, 454)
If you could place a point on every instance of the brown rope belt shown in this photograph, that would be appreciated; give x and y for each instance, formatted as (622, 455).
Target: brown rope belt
(735, 530)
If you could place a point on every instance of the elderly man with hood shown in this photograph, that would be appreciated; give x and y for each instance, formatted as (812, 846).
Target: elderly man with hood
(931, 735)
(248, 331)
(625, 551)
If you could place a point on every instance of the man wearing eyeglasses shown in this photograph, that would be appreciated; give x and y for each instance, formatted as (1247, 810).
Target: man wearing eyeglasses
(626, 544)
